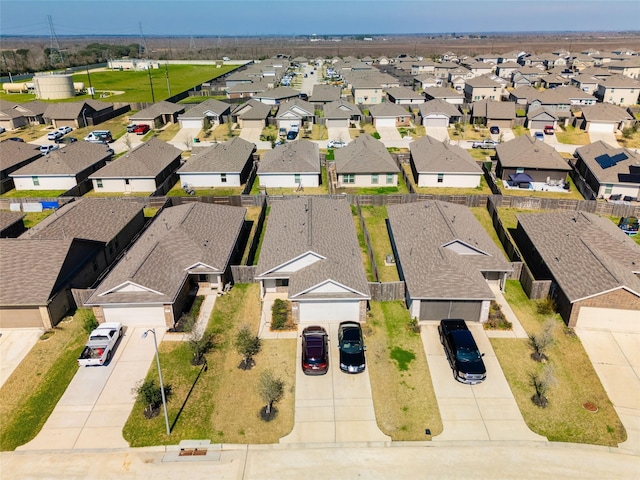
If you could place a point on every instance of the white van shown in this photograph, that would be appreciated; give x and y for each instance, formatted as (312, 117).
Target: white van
(99, 136)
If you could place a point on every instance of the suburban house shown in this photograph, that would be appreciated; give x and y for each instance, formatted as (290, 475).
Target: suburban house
(404, 96)
(142, 169)
(592, 264)
(586, 83)
(251, 114)
(158, 114)
(16, 115)
(292, 165)
(310, 255)
(11, 119)
(226, 164)
(341, 114)
(439, 113)
(365, 162)
(62, 169)
(619, 90)
(185, 246)
(277, 95)
(323, 94)
(14, 155)
(438, 164)
(11, 224)
(481, 88)
(629, 67)
(505, 70)
(78, 114)
(539, 118)
(446, 259)
(213, 110)
(247, 90)
(295, 112)
(35, 288)
(427, 81)
(443, 93)
(390, 115)
(494, 114)
(525, 160)
(604, 117)
(369, 87)
(112, 222)
(608, 170)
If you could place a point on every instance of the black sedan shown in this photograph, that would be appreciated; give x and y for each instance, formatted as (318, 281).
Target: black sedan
(351, 347)
(315, 351)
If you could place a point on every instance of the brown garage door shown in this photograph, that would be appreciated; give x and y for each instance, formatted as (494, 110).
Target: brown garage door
(252, 123)
(500, 123)
(439, 309)
(20, 318)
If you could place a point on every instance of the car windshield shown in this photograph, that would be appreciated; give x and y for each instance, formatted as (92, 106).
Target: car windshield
(467, 355)
(351, 341)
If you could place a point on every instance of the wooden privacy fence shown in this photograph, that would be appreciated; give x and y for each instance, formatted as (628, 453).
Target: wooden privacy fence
(367, 241)
(244, 273)
(387, 291)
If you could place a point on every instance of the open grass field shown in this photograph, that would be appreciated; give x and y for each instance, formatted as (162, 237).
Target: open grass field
(221, 403)
(403, 395)
(564, 420)
(30, 394)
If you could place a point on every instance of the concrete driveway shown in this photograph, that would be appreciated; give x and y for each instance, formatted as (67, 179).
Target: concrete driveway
(616, 359)
(487, 411)
(15, 343)
(184, 138)
(98, 401)
(607, 137)
(250, 134)
(505, 133)
(336, 407)
(389, 134)
(120, 145)
(439, 133)
(338, 133)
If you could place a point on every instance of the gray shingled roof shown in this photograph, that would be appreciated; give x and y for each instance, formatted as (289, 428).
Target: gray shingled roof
(278, 93)
(437, 105)
(423, 231)
(297, 106)
(433, 156)
(98, 219)
(482, 81)
(31, 269)
(619, 81)
(8, 218)
(319, 225)
(212, 105)
(156, 110)
(442, 92)
(228, 157)
(300, 156)
(404, 93)
(252, 110)
(144, 161)
(589, 153)
(70, 160)
(340, 109)
(13, 153)
(586, 254)
(72, 110)
(388, 110)
(325, 93)
(178, 239)
(365, 154)
(527, 152)
(494, 110)
(248, 87)
(605, 112)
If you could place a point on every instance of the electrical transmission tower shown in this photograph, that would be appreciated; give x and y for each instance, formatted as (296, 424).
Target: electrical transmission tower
(55, 53)
(192, 44)
(142, 46)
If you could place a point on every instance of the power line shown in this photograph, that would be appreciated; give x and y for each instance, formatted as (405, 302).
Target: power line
(55, 54)
(142, 47)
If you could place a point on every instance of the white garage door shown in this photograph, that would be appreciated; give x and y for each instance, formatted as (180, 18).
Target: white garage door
(436, 122)
(190, 123)
(610, 319)
(136, 315)
(601, 127)
(335, 311)
(385, 122)
(336, 123)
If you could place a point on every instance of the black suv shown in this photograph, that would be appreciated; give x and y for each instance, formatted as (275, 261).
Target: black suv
(462, 352)
(351, 347)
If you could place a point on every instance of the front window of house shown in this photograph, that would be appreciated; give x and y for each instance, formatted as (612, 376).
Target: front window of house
(390, 178)
(608, 188)
(36, 181)
(440, 177)
(374, 178)
(519, 170)
(348, 178)
(99, 183)
(223, 178)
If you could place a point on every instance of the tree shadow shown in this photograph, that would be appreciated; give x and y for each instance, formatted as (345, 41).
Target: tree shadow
(203, 369)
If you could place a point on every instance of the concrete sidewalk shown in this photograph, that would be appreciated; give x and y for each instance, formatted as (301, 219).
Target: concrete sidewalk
(15, 344)
(517, 330)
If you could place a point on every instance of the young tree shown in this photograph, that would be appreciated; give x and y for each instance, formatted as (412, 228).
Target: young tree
(541, 340)
(248, 345)
(151, 395)
(271, 391)
(200, 345)
(541, 382)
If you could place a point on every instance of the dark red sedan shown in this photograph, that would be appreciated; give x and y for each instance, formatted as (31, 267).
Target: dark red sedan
(141, 129)
(315, 350)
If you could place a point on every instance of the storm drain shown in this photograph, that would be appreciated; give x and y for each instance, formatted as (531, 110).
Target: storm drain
(193, 451)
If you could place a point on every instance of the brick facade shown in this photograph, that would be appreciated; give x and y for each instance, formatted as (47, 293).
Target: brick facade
(617, 299)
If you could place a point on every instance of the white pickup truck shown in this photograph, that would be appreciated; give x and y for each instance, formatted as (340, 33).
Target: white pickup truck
(102, 341)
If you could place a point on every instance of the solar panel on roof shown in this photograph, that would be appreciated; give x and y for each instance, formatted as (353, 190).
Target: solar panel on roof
(629, 178)
(606, 161)
(634, 169)
(618, 157)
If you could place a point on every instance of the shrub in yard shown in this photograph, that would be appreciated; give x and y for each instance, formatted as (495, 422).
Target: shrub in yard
(546, 306)
(271, 391)
(413, 325)
(497, 320)
(541, 382)
(89, 323)
(151, 395)
(279, 314)
(376, 135)
(248, 345)
(541, 340)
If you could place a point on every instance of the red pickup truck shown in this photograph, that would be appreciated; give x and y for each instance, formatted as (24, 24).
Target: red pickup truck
(548, 130)
(141, 129)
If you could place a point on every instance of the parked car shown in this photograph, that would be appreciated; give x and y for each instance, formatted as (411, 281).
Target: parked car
(549, 130)
(54, 135)
(494, 130)
(335, 144)
(16, 139)
(131, 127)
(315, 351)
(101, 343)
(65, 130)
(99, 136)
(629, 225)
(282, 132)
(2, 129)
(141, 129)
(539, 136)
(484, 144)
(66, 140)
(45, 149)
(292, 135)
(351, 347)
(462, 352)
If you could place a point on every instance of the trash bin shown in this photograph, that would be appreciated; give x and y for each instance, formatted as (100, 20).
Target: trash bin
(196, 140)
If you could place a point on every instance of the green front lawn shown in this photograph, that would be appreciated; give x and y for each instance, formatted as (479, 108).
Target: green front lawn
(572, 136)
(52, 194)
(565, 419)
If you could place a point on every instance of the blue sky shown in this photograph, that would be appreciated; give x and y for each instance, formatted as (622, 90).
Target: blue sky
(305, 17)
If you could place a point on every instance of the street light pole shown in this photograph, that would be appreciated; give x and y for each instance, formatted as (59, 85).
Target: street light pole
(164, 400)
(84, 117)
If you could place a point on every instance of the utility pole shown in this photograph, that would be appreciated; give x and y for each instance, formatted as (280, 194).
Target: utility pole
(90, 86)
(153, 98)
(142, 47)
(166, 73)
